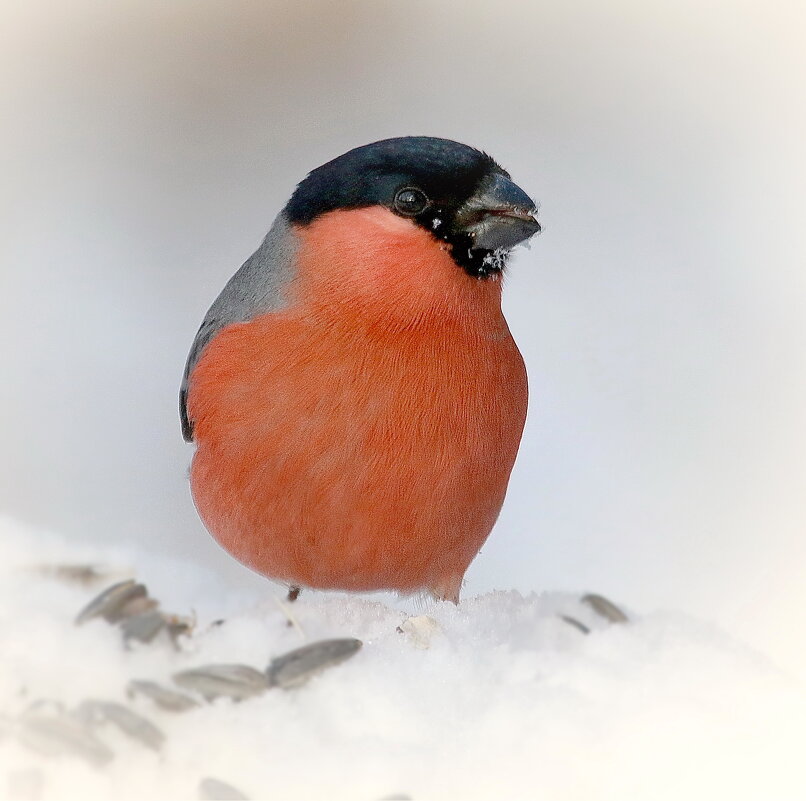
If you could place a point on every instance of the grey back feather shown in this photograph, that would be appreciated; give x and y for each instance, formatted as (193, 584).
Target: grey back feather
(257, 288)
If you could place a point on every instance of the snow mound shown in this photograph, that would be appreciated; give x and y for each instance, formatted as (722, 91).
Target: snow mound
(498, 698)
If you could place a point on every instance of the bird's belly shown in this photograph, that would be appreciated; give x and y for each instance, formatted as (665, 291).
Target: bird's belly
(378, 466)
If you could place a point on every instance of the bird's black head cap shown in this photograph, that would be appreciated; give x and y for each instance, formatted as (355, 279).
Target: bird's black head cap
(430, 180)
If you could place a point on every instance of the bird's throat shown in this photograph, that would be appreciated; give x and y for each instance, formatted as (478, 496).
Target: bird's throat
(369, 266)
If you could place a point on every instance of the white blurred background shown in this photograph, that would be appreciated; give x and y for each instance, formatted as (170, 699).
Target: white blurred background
(147, 146)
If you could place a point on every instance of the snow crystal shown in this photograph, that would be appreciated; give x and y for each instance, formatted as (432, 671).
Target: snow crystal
(498, 698)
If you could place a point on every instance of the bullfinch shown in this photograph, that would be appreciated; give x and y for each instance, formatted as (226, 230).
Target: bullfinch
(354, 392)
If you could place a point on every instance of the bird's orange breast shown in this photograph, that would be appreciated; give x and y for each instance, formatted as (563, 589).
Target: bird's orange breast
(363, 437)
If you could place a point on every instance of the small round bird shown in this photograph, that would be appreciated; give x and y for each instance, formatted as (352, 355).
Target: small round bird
(354, 393)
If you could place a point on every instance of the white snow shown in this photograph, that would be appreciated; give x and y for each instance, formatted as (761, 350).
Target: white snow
(497, 698)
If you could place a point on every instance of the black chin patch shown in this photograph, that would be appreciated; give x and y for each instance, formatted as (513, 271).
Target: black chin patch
(479, 263)
(476, 262)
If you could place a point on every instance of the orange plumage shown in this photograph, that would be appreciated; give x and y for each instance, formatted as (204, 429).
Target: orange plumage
(362, 437)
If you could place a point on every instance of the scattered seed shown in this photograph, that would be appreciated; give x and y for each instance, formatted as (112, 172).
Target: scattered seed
(572, 621)
(136, 606)
(296, 667)
(215, 790)
(170, 700)
(230, 681)
(74, 574)
(130, 723)
(55, 736)
(114, 602)
(607, 609)
(143, 627)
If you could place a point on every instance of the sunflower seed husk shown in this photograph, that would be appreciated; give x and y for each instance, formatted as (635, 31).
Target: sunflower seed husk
(230, 681)
(604, 608)
(114, 602)
(143, 627)
(572, 621)
(164, 698)
(55, 736)
(86, 575)
(130, 723)
(296, 667)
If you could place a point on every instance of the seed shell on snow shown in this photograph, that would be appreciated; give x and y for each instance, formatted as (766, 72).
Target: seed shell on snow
(211, 789)
(164, 698)
(229, 681)
(112, 604)
(143, 627)
(607, 609)
(296, 667)
(57, 735)
(572, 621)
(86, 575)
(130, 723)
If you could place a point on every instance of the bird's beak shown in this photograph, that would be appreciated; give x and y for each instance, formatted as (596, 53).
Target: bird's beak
(499, 215)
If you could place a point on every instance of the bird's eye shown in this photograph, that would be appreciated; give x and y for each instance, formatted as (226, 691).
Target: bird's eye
(410, 201)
